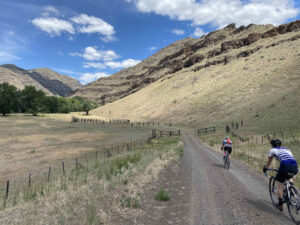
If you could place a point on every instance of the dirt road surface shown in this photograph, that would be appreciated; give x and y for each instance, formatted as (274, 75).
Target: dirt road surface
(204, 193)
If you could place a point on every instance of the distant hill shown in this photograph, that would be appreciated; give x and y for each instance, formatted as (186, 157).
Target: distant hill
(250, 72)
(43, 79)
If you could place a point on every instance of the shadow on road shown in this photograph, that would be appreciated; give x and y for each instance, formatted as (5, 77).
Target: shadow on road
(218, 165)
(268, 207)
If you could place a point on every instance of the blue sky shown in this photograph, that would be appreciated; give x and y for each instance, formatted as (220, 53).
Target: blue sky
(95, 38)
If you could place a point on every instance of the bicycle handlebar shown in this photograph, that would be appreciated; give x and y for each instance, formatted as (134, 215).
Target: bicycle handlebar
(272, 169)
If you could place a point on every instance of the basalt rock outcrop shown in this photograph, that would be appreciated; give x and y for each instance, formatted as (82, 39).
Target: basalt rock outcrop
(218, 47)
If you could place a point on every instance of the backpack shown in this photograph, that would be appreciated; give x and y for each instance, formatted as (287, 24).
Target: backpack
(229, 141)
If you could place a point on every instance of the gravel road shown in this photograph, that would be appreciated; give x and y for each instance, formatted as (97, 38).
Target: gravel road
(220, 196)
(203, 192)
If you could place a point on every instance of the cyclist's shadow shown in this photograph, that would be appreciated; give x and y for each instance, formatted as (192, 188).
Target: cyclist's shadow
(262, 205)
(221, 165)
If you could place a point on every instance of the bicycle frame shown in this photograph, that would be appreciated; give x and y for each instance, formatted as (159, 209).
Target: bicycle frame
(291, 197)
(286, 185)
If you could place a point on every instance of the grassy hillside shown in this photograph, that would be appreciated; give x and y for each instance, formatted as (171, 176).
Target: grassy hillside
(261, 88)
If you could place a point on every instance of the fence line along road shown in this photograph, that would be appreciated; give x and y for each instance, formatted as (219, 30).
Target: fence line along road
(114, 122)
(206, 130)
(51, 174)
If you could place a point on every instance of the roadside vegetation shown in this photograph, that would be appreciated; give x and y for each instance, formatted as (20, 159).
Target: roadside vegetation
(105, 191)
(30, 100)
(252, 146)
(162, 195)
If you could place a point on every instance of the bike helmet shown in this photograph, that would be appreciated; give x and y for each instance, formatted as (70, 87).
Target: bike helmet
(226, 137)
(275, 143)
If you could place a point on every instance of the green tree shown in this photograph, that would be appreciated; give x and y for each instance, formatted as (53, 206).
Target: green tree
(51, 104)
(63, 106)
(8, 95)
(87, 107)
(33, 100)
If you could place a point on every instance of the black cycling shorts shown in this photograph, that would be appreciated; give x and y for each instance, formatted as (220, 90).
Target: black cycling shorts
(283, 170)
(228, 149)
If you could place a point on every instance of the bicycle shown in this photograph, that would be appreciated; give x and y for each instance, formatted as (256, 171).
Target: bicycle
(226, 160)
(291, 196)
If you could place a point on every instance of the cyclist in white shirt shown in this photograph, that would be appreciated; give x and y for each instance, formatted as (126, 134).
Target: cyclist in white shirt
(288, 164)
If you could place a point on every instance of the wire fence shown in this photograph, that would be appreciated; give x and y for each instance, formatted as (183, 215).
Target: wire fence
(114, 122)
(39, 182)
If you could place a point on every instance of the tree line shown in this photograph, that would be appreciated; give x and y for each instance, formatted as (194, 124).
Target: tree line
(31, 100)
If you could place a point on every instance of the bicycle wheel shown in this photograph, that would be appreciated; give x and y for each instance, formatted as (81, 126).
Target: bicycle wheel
(228, 162)
(273, 191)
(294, 204)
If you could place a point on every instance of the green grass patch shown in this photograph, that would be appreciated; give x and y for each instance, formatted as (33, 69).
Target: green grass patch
(162, 195)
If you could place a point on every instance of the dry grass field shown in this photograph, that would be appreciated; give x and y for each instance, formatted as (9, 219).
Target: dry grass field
(32, 144)
(107, 191)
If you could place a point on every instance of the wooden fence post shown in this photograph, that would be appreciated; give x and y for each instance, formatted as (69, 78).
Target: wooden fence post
(227, 129)
(49, 173)
(7, 189)
(63, 168)
(29, 180)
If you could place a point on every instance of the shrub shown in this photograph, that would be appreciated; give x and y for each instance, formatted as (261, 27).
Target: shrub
(162, 195)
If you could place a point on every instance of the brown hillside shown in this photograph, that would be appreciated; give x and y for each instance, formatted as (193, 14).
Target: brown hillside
(58, 84)
(179, 55)
(19, 77)
(250, 72)
(43, 79)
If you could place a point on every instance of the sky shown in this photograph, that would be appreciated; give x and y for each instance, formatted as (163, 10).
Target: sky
(95, 38)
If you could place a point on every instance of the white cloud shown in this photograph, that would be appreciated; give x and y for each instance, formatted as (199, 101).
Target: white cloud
(53, 26)
(65, 71)
(6, 57)
(92, 53)
(124, 64)
(94, 65)
(198, 32)
(11, 45)
(178, 31)
(11, 33)
(112, 64)
(222, 12)
(91, 24)
(107, 39)
(49, 9)
(90, 77)
(153, 48)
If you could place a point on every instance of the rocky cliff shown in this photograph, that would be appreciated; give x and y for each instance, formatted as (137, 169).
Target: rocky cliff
(43, 79)
(218, 47)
